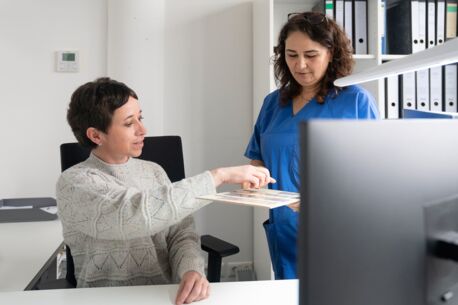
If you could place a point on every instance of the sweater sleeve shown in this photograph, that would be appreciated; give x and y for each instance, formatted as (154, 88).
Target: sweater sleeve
(184, 249)
(101, 207)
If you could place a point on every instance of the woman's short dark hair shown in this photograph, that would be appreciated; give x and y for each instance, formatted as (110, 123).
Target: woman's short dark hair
(326, 32)
(93, 105)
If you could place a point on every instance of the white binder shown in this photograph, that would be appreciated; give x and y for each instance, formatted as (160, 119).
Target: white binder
(348, 20)
(392, 97)
(431, 26)
(423, 89)
(422, 76)
(408, 90)
(435, 76)
(414, 25)
(440, 24)
(360, 27)
(450, 80)
(421, 25)
(450, 71)
(435, 30)
(340, 12)
(329, 8)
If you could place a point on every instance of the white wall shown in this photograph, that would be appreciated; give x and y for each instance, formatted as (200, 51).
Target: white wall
(135, 54)
(34, 98)
(208, 99)
(190, 62)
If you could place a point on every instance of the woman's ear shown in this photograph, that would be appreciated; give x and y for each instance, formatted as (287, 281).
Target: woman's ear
(331, 56)
(94, 135)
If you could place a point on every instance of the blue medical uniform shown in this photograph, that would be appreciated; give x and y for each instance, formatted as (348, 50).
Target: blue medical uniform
(275, 141)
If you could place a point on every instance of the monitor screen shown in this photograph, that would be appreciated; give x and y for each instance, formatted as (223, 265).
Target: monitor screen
(365, 186)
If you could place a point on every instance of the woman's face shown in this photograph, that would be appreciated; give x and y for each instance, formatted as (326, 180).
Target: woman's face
(307, 60)
(124, 137)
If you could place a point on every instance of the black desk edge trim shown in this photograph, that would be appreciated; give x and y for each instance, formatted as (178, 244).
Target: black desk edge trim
(45, 267)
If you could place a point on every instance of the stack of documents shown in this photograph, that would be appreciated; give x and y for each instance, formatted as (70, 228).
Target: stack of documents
(256, 197)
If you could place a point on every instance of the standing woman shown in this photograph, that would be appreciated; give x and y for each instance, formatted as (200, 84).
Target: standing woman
(312, 52)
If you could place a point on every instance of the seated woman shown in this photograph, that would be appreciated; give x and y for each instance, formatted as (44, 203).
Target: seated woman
(123, 219)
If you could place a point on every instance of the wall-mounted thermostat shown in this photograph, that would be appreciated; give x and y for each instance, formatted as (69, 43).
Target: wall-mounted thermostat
(67, 61)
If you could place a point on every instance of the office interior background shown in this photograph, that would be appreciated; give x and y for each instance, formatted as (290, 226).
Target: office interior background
(200, 68)
(190, 62)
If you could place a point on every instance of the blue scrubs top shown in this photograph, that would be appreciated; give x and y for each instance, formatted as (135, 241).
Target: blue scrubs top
(275, 141)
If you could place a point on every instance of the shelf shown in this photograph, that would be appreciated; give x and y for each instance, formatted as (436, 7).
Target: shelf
(391, 56)
(364, 56)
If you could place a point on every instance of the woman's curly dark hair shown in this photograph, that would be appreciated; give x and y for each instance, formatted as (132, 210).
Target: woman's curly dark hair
(327, 33)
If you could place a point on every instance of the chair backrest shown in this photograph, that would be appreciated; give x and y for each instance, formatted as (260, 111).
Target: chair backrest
(166, 151)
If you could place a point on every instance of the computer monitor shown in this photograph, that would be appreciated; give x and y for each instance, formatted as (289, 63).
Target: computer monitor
(365, 188)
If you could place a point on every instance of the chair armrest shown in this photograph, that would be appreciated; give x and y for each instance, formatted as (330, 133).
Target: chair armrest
(217, 249)
(217, 246)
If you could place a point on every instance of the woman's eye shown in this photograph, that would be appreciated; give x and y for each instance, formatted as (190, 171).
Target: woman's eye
(292, 55)
(140, 118)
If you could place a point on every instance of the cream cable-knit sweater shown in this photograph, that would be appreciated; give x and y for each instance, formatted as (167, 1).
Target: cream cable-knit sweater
(127, 224)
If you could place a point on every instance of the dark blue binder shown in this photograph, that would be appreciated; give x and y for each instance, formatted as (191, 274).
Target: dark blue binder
(398, 26)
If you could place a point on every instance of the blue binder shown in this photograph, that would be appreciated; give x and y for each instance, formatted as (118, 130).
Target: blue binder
(421, 114)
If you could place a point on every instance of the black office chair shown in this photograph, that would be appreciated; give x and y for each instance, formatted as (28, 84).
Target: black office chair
(167, 152)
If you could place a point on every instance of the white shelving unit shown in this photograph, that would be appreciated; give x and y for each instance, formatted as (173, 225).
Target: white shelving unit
(268, 18)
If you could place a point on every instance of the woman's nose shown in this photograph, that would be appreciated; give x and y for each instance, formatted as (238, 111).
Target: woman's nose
(302, 63)
(141, 129)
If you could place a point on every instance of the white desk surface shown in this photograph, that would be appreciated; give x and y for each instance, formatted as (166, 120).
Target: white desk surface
(230, 293)
(24, 249)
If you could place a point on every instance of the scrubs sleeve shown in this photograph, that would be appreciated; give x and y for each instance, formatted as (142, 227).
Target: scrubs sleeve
(253, 150)
(367, 108)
